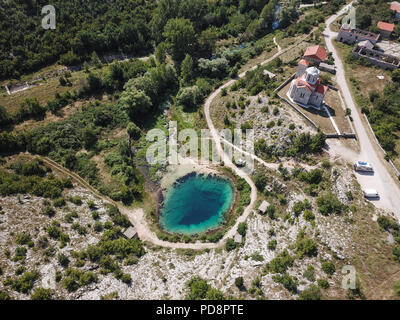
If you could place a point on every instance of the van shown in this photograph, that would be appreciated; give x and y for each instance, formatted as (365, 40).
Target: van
(363, 166)
(370, 193)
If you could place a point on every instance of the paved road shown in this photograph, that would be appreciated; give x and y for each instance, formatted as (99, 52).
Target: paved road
(381, 180)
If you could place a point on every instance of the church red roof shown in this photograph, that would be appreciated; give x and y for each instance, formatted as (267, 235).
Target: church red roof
(386, 26)
(304, 62)
(316, 52)
(321, 89)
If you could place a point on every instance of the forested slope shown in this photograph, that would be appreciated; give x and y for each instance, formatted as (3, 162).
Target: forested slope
(128, 26)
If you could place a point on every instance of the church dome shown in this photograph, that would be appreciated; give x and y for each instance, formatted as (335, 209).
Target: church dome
(312, 75)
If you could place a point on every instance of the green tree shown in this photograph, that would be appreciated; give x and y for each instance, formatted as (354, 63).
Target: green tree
(180, 38)
(4, 295)
(198, 288)
(95, 60)
(4, 116)
(187, 69)
(242, 228)
(161, 53)
(214, 294)
(94, 82)
(307, 247)
(328, 267)
(260, 181)
(135, 102)
(89, 137)
(328, 204)
(190, 97)
(41, 294)
(230, 244)
(396, 75)
(63, 260)
(267, 16)
(207, 41)
(133, 131)
(239, 282)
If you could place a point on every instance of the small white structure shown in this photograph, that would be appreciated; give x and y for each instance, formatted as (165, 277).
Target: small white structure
(269, 74)
(263, 207)
(130, 233)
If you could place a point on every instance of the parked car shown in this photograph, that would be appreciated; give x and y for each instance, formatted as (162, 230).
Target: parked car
(363, 166)
(370, 193)
(240, 162)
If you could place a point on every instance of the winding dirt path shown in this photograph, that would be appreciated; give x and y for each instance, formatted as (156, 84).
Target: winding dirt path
(137, 216)
(277, 44)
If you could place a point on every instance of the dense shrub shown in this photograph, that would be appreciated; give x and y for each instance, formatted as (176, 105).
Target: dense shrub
(309, 274)
(323, 283)
(239, 282)
(25, 283)
(328, 204)
(306, 247)
(328, 267)
(41, 294)
(290, 283)
(311, 293)
(242, 228)
(199, 289)
(281, 262)
(230, 244)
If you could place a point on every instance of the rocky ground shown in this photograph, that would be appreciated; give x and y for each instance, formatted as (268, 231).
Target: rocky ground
(162, 273)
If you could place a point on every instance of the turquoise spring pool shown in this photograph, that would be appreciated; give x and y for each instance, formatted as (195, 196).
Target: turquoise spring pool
(196, 204)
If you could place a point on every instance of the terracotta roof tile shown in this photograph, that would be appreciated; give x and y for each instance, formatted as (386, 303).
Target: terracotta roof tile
(316, 52)
(321, 89)
(304, 62)
(386, 26)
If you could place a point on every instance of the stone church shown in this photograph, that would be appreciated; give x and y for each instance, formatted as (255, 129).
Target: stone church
(306, 89)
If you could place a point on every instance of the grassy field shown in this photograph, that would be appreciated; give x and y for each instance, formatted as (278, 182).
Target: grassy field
(44, 91)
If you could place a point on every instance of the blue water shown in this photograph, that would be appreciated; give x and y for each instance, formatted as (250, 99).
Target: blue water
(275, 24)
(196, 204)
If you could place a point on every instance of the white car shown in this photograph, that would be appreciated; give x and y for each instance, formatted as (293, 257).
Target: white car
(240, 162)
(363, 166)
(370, 193)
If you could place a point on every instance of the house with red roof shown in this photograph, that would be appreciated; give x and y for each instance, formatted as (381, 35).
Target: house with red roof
(315, 54)
(395, 6)
(307, 89)
(385, 29)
